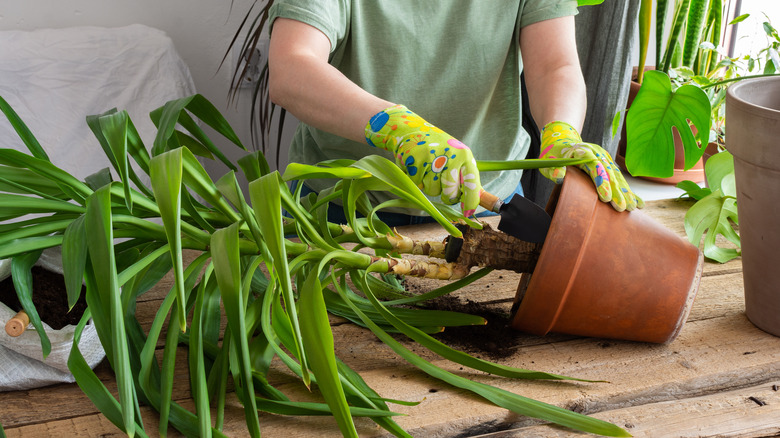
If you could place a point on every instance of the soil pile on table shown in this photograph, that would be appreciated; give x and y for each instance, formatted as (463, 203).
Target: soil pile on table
(496, 339)
(49, 297)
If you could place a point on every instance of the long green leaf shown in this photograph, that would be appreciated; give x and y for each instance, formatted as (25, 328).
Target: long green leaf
(23, 283)
(114, 127)
(226, 260)
(499, 397)
(24, 181)
(645, 19)
(21, 205)
(449, 353)
(22, 246)
(661, 11)
(306, 408)
(71, 186)
(265, 195)
(675, 35)
(166, 173)
(91, 385)
(197, 179)
(198, 366)
(74, 258)
(168, 116)
(22, 130)
(694, 26)
(402, 186)
(318, 341)
(100, 242)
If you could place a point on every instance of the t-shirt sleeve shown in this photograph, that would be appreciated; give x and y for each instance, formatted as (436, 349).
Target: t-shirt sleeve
(535, 11)
(329, 16)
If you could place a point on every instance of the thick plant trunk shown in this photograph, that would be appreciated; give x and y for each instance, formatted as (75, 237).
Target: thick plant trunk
(498, 250)
(485, 247)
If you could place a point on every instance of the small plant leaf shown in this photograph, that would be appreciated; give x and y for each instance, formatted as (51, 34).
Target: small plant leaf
(739, 19)
(714, 215)
(719, 168)
(693, 190)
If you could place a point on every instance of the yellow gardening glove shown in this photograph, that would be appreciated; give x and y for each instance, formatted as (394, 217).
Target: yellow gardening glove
(437, 162)
(561, 140)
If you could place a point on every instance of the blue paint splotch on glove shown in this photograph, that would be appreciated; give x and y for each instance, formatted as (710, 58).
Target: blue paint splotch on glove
(438, 163)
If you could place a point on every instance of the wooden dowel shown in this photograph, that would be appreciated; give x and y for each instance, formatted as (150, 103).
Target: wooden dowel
(489, 201)
(18, 324)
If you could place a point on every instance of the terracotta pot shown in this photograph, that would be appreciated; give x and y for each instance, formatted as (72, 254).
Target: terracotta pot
(695, 173)
(753, 126)
(607, 274)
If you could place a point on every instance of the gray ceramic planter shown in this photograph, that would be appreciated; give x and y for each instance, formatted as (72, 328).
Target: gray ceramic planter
(753, 137)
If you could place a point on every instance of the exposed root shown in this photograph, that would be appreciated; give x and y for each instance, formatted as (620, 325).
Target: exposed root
(424, 269)
(405, 245)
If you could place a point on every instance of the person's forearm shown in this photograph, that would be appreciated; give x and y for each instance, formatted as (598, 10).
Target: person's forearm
(556, 88)
(558, 96)
(302, 82)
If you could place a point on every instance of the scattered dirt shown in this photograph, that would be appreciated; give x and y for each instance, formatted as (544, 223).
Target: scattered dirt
(49, 298)
(496, 339)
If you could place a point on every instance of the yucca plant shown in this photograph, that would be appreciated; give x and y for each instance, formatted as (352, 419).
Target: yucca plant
(276, 278)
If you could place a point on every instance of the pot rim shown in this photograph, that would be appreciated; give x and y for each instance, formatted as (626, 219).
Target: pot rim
(731, 93)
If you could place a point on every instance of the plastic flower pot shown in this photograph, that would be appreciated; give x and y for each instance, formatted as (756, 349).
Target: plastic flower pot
(607, 274)
(753, 125)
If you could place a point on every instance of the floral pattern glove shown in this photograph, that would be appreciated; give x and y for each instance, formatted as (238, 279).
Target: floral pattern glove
(438, 163)
(561, 140)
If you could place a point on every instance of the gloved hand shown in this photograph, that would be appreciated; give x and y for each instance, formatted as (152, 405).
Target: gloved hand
(561, 140)
(437, 162)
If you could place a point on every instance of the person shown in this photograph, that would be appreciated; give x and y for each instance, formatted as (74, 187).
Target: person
(360, 75)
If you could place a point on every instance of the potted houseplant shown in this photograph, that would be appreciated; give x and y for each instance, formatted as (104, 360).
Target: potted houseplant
(38, 357)
(668, 127)
(715, 212)
(678, 112)
(285, 315)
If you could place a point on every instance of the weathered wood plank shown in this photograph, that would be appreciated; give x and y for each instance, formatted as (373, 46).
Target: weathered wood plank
(744, 413)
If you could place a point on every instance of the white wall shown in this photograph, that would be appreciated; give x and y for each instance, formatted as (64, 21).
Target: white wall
(200, 29)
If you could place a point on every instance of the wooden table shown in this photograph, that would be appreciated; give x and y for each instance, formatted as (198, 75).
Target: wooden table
(719, 378)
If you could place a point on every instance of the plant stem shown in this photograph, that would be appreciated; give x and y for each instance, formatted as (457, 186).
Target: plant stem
(725, 81)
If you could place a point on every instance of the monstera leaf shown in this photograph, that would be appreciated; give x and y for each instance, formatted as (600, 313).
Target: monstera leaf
(656, 110)
(715, 212)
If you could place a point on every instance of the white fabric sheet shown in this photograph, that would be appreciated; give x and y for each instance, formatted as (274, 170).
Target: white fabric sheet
(54, 78)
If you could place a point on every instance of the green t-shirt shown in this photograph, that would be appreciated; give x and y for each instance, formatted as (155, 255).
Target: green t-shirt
(455, 63)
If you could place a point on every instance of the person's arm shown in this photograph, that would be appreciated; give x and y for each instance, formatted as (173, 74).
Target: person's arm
(553, 77)
(302, 82)
(558, 101)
